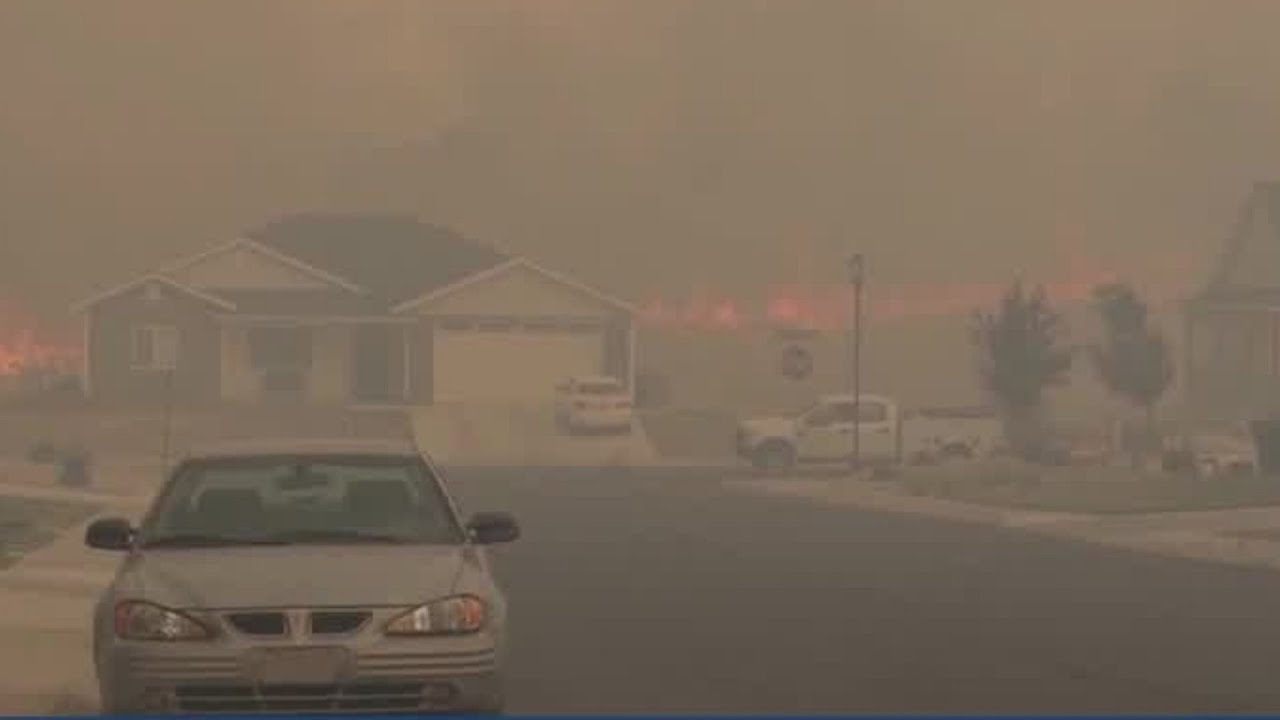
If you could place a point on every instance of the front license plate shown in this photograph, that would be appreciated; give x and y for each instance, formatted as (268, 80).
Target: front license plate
(283, 666)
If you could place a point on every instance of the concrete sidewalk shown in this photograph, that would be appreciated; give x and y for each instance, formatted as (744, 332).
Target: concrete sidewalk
(1218, 535)
(47, 598)
(46, 607)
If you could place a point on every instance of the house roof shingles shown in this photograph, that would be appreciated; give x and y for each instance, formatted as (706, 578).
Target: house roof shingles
(395, 258)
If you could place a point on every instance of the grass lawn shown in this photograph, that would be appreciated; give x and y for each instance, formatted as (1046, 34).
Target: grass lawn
(27, 524)
(1101, 490)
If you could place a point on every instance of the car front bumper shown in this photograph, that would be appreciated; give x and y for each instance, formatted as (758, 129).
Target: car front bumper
(409, 675)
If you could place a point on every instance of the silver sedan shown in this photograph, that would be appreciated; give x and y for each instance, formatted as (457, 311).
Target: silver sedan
(293, 577)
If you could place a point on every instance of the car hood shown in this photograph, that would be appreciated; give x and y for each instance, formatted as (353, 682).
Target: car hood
(297, 575)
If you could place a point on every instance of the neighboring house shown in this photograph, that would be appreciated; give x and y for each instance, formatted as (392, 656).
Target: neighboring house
(350, 310)
(1231, 337)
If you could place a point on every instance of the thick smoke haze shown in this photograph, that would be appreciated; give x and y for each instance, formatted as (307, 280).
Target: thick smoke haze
(653, 147)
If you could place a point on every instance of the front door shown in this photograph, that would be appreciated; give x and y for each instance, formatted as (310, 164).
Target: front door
(371, 350)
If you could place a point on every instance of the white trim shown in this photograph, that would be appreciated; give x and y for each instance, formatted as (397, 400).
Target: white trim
(85, 372)
(271, 253)
(154, 278)
(238, 319)
(631, 358)
(507, 266)
(303, 266)
(406, 383)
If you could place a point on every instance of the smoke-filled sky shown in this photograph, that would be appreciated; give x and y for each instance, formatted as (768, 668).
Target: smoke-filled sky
(650, 146)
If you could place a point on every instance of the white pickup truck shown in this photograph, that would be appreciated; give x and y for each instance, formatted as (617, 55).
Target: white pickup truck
(886, 435)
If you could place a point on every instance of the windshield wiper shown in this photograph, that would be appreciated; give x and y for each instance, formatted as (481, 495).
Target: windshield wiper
(200, 540)
(342, 536)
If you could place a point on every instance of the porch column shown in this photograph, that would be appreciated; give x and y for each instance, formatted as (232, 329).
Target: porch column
(1274, 366)
(1189, 355)
(330, 372)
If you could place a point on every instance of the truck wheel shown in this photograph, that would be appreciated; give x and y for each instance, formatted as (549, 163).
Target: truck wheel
(774, 456)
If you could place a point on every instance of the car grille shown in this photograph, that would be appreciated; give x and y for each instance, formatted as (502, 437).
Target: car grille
(272, 624)
(320, 622)
(382, 696)
(337, 622)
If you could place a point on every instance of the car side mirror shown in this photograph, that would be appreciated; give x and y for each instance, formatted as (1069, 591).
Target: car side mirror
(488, 528)
(109, 534)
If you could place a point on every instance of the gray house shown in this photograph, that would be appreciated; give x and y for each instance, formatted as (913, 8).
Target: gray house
(1231, 368)
(350, 310)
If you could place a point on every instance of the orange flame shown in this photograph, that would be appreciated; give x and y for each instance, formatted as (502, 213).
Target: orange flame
(24, 353)
(831, 308)
(24, 349)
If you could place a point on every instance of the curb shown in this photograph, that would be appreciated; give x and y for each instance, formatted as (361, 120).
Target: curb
(59, 580)
(44, 492)
(1183, 544)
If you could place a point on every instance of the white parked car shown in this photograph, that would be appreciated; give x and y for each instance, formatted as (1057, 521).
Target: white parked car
(593, 403)
(824, 434)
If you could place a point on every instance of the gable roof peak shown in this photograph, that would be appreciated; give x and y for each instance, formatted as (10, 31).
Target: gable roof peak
(395, 256)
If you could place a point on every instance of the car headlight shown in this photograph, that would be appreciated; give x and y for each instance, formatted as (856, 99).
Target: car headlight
(137, 620)
(458, 615)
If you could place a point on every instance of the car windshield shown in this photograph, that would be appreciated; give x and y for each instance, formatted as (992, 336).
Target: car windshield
(599, 388)
(297, 500)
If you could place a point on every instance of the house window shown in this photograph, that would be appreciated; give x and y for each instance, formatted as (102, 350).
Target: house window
(280, 348)
(154, 347)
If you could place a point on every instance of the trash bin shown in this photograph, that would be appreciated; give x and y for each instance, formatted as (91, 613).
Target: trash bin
(1266, 443)
(73, 469)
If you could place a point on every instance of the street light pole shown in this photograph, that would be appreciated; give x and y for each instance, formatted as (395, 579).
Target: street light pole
(856, 277)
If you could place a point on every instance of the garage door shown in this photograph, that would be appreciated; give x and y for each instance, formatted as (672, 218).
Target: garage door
(512, 363)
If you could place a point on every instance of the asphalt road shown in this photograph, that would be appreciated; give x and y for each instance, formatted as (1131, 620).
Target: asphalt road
(668, 591)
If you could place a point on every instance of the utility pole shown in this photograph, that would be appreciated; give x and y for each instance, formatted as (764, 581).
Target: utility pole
(167, 428)
(856, 278)
(165, 351)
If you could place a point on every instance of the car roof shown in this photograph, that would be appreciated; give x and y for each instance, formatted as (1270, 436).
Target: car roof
(596, 379)
(302, 446)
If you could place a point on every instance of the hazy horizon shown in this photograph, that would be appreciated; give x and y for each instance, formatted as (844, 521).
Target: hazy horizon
(657, 149)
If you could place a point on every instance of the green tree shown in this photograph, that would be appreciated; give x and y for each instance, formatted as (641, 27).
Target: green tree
(1020, 355)
(1133, 358)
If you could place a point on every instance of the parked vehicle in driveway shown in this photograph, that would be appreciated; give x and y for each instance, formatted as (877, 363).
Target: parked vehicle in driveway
(594, 403)
(302, 577)
(888, 435)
